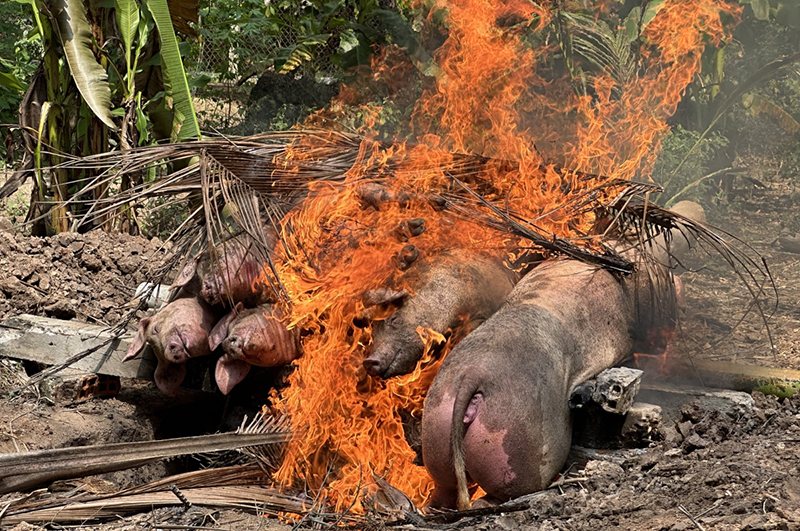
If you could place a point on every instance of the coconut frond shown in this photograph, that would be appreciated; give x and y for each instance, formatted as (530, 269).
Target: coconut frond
(247, 185)
(602, 49)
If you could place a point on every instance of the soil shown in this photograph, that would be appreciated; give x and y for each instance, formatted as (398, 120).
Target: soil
(707, 469)
(90, 277)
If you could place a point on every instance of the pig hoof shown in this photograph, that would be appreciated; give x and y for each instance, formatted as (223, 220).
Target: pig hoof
(406, 257)
(372, 195)
(410, 228)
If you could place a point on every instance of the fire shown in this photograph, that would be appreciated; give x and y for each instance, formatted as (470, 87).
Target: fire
(496, 96)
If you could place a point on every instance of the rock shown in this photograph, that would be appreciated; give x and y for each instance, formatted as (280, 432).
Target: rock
(60, 309)
(694, 442)
(605, 469)
(91, 262)
(641, 422)
(673, 400)
(616, 389)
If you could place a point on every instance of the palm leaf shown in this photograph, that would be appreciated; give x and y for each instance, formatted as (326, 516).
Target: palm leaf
(759, 105)
(601, 48)
(91, 79)
(764, 73)
(175, 75)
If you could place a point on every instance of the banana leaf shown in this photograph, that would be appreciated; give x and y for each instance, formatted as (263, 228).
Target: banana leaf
(91, 79)
(175, 75)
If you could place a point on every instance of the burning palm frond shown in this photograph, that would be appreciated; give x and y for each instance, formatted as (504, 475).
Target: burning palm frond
(248, 184)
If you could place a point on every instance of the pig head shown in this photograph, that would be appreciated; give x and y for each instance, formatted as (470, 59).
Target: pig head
(233, 275)
(176, 333)
(497, 411)
(447, 288)
(251, 337)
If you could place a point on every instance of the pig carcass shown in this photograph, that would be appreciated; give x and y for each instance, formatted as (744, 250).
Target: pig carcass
(234, 275)
(497, 411)
(251, 337)
(448, 288)
(176, 333)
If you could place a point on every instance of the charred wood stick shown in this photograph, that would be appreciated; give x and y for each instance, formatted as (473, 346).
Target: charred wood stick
(30, 469)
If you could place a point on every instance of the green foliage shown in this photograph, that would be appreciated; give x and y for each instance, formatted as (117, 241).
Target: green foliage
(784, 11)
(89, 76)
(162, 216)
(780, 389)
(311, 37)
(699, 163)
(20, 48)
(185, 124)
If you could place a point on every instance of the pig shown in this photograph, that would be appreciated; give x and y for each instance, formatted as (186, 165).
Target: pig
(234, 276)
(251, 337)
(447, 288)
(497, 410)
(176, 333)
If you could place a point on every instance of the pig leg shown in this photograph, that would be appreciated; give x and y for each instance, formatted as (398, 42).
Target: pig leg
(495, 444)
(680, 297)
(472, 448)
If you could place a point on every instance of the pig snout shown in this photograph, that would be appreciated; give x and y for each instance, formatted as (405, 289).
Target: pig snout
(390, 359)
(375, 363)
(175, 351)
(233, 345)
(237, 346)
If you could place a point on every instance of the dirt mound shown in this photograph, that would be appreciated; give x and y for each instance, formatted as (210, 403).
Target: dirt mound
(91, 277)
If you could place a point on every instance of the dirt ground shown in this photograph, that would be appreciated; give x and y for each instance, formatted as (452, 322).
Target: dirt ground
(738, 470)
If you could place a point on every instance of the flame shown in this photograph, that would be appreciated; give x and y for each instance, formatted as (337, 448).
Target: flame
(494, 96)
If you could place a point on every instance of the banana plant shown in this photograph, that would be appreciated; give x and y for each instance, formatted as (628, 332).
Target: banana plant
(90, 68)
(786, 12)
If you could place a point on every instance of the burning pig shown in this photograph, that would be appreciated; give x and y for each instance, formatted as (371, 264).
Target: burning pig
(251, 337)
(447, 288)
(497, 411)
(176, 333)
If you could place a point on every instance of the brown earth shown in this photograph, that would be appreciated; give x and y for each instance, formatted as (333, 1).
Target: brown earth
(738, 471)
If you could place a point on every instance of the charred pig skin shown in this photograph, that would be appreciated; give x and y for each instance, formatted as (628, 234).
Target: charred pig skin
(235, 275)
(439, 292)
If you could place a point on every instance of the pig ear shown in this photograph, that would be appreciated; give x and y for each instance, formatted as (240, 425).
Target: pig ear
(169, 376)
(375, 301)
(230, 372)
(186, 274)
(381, 296)
(220, 330)
(138, 342)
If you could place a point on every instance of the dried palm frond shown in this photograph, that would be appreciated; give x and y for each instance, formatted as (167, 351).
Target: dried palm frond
(251, 498)
(244, 184)
(267, 457)
(29, 469)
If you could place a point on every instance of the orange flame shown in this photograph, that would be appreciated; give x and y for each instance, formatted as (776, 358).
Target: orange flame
(494, 97)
